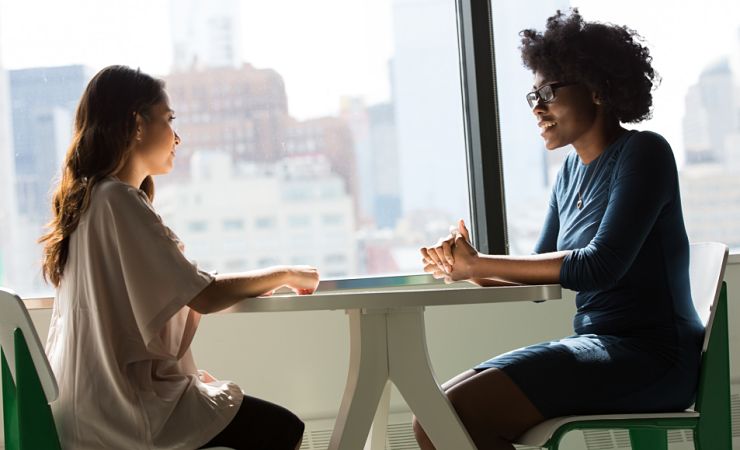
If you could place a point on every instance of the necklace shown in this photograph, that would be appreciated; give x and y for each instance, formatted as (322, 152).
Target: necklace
(581, 189)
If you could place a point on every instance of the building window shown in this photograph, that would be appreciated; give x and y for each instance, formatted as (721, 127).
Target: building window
(198, 226)
(233, 224)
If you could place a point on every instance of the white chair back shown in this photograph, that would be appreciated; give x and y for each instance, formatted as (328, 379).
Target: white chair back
(707, 263)
(13, 316)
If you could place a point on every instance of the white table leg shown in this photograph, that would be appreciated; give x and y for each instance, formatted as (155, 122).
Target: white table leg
(379, 429)
(411, 372)
(367, 378)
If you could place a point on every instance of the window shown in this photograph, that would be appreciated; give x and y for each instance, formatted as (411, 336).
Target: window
(696, 108)
(197, 226)
(233, 225)
(265, 223)
(360, 118)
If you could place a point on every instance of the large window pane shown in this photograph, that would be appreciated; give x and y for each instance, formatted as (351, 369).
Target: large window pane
(696, 49)
(331, 135)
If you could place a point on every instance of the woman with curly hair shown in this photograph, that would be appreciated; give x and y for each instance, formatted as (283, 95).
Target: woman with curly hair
(128, 302)
(614, 232)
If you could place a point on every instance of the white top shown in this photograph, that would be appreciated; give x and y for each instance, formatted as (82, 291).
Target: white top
(120, 334)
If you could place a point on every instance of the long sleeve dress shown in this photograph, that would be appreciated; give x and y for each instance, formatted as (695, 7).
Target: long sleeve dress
(637, 340)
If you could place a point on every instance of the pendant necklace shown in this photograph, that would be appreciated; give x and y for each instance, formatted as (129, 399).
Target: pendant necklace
(581, 189)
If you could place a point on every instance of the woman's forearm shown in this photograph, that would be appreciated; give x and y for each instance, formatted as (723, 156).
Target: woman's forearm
(531, 269)
(229, 288)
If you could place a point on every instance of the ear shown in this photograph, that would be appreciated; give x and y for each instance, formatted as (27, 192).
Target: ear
(596, 98)
(140, 124)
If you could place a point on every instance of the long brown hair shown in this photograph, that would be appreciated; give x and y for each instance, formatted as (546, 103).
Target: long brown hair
(104, 129)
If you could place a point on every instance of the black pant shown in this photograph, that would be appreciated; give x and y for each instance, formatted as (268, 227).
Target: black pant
(260, 425)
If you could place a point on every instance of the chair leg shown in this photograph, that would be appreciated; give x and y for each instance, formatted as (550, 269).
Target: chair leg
(649, 439)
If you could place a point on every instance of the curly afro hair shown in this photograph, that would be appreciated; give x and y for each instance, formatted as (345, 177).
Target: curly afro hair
(608, 59)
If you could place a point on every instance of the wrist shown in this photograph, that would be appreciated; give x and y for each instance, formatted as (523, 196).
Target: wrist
(284, 275)
(475, 269)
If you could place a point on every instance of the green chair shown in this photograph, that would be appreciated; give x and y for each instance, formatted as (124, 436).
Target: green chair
(28, 382)
(29, 385)
(710, 417)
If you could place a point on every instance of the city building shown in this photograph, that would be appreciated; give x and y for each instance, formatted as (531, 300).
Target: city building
(375, 141)
(241, 216)
(8, 209)
(428, 109)
(44, 101)
(241, 111)
(711, 114)
(205, 34)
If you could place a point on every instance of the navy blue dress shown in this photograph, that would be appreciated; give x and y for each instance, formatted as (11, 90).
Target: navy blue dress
(637, 341)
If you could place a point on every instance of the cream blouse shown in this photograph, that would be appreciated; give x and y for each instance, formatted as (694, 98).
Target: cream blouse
(120, 334)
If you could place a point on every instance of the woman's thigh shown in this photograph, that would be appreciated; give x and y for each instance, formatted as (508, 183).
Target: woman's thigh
(260, 425)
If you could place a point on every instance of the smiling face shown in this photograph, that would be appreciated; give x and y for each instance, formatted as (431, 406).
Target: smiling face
(156, 140)
(569, 117)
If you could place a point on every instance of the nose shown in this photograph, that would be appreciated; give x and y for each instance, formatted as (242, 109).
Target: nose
(178, 140)
(539, 108)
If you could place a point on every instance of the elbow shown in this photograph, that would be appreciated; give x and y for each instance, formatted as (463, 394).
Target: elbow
(203, 302)
(585, 271)
(200, 304)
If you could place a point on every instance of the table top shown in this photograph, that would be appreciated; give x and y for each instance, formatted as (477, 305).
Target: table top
(395, 292)
(391, 298)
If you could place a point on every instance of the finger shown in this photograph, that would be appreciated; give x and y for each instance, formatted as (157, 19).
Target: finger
(462, 241)
(432, 254)
(463, 230)
(447, 252)
(441, 257)
(426, 256)
(424, 253)
(439, 275)
(430, 267)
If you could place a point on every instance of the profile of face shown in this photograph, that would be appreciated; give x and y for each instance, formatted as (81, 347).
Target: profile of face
(156, 140)
(565, 117)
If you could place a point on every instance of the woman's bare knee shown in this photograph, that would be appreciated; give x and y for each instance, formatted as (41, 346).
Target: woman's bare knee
(490, 404)
(452, 382)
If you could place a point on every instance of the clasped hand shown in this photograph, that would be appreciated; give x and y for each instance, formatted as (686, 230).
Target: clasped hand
(453, 257)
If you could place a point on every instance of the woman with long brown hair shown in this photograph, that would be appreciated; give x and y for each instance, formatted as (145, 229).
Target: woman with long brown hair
(128, 302)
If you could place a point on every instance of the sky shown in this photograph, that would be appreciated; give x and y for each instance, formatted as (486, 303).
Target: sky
(326, 49)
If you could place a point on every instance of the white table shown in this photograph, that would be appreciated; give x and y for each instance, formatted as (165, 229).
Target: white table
(388, 344)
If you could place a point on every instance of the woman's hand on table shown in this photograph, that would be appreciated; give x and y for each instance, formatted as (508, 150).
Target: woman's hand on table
(453, 258)
(303, 280)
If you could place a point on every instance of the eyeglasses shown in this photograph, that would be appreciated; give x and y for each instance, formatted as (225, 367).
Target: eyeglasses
(546, 93)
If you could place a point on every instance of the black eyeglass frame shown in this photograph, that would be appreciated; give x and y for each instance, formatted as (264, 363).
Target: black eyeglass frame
(546, 93)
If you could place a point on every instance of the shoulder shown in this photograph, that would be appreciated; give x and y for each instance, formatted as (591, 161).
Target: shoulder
(647, 147)
(113, 191)
(113, 197)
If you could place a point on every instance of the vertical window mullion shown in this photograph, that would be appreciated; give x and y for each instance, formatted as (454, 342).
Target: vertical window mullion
(482, 128)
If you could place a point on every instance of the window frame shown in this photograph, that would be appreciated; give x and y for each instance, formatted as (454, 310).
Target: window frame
(482, 127)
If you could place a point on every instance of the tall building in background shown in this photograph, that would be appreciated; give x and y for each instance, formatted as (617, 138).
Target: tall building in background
(205, 34)
(374, 134)
(428, 107)
(43, 104)
(711, 114)
(8, 209)
(710, 185)
(241, 111)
